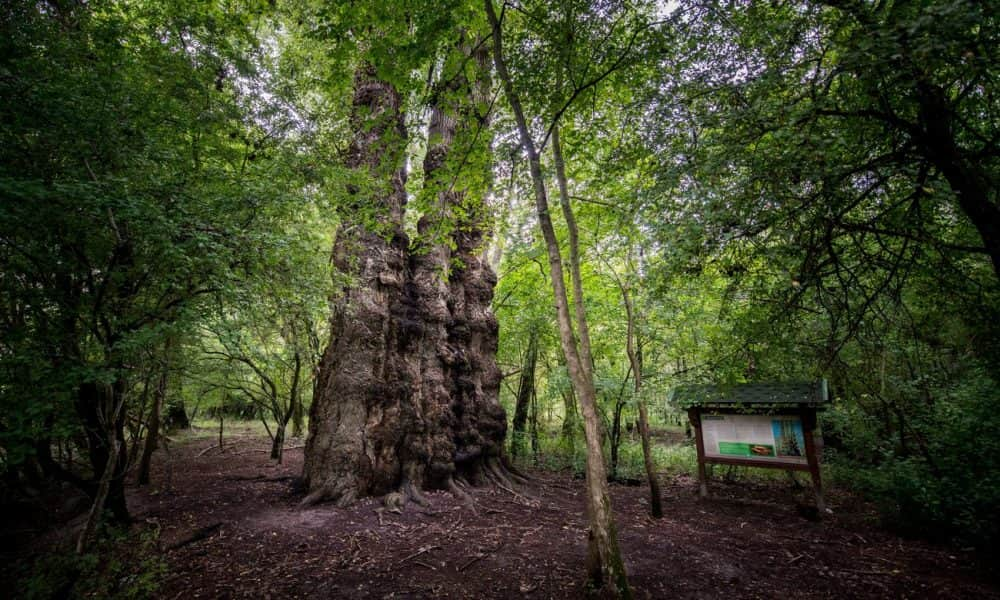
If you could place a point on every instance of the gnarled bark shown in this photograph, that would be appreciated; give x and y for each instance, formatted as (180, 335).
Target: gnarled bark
(363, 407)
(407, 391)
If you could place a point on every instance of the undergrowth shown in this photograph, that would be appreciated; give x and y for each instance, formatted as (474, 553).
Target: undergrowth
(119, 564)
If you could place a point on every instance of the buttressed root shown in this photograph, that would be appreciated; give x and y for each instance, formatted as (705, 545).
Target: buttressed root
(499, 472)
(461, 494)
(315, 497)
(514, 473)
(342, 494)
(492, 471)
(413, 493)
(394, 502)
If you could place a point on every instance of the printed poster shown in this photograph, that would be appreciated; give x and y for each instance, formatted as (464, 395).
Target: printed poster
(774, 437)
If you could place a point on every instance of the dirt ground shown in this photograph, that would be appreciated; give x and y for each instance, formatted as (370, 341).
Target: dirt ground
(230, 527)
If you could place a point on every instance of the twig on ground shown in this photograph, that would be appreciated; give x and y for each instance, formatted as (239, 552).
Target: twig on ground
(205, 451)
(259, 478)
(472, 561)
(267, 450)
(422, 550)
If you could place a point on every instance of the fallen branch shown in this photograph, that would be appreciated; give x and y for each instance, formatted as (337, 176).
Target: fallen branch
(419, 552)
(472, 561)
(513, 493)
(205, 451)
(197, 536)
(868, 572)
(267, 450)
(259, 478)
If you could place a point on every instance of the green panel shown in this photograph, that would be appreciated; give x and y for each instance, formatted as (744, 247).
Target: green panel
(744, 449)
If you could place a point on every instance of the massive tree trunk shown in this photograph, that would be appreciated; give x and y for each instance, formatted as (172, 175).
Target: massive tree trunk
(452, 288)
(364, 407)
(605, 569)
(407, 391)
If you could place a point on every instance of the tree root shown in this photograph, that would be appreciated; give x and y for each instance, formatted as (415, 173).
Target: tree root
(514, 473)
(314, 497)
(498, 482)
(196, 536)
(413, 494)
(499, 476)
(492, 471)
(500, 473)
(461, 495)
(341, 493)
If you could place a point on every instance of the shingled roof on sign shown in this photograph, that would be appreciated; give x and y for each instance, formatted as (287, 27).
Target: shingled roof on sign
(812, 393)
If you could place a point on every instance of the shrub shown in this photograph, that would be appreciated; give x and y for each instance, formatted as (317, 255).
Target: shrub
(946, 487)
(119, 564)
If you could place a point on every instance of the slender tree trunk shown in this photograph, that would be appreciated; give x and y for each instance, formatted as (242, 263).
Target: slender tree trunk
(569, 415)
(141, 423)
(177, 416)
(605, 569)
(635, 360)
(655, 502)
(535, 447)
(282, 417)
(153, 425)
(222, 418)
(616, 435)
(100, 497)
(298, 416)
(99, 406)
(278, 442)
(525, 391)
(583, 330)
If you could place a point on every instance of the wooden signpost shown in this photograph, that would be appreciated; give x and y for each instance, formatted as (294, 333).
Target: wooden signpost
(770, 425)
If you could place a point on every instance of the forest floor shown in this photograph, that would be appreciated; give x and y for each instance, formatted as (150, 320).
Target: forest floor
(230, 526)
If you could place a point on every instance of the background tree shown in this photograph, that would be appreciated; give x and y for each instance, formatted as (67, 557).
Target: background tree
(137, 181)
(604, 566)
(803, 176)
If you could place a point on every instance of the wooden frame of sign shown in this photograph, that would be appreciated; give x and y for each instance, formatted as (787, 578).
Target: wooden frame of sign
(768, 425)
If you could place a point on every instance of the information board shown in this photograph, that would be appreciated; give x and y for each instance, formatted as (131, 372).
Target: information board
(778, 438)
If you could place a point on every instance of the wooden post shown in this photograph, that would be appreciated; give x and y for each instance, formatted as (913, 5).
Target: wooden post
(694, 417)
(808, 415)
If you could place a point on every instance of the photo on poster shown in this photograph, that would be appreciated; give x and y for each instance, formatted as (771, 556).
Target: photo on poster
(788, 438)
(745, 449)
